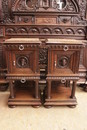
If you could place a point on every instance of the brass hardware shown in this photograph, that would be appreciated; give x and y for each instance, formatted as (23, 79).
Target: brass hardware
(55, 63)
(63, 81)
(21, 47)
(23, 80)
(66, 48)
(14, 63)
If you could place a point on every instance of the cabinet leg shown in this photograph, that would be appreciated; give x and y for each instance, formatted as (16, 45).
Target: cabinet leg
(85, 89)
(49, 90)
(67, 83)
(12, 95)
(73, 89)
(36, 89)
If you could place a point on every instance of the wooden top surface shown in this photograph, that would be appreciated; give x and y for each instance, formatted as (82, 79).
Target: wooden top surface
(47, 41)
(65, 41)
(22, 40)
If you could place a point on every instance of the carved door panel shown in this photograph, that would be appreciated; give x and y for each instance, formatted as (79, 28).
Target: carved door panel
(63, 62)
(22, 62)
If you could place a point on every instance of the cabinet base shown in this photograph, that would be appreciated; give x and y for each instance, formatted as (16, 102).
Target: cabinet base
(19, 102)
(24, 97)
(60, 96)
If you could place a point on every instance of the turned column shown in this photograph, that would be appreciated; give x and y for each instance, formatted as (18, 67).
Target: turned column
(73, 89)
(12, 94)
(49, 90)
(36, 89)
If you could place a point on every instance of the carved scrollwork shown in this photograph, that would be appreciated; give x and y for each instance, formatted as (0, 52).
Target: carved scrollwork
(62, 5)
(1, 32)
(43, 56)
(82, 5)
(32, 4)
(24, 19)
(6, 12)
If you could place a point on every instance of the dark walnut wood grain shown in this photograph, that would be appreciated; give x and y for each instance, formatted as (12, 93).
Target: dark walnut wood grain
(22, 57)
(32, 49)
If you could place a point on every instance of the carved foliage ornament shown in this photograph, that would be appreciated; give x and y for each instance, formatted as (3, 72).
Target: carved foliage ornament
(23, 5)
(56, 5)
(6, 12)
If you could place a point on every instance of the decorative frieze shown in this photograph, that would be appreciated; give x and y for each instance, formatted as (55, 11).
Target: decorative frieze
(45, 30)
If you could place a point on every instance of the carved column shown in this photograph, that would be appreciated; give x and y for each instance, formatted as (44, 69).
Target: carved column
(36, 89)
(12, 89)
(49, 90)
(73, 89)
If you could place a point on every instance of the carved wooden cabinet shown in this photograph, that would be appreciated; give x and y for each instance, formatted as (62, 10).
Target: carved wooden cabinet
(23, 65)
(63, 67)
(22, 20)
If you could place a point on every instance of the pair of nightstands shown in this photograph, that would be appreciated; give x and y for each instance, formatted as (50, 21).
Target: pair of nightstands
(63, 56)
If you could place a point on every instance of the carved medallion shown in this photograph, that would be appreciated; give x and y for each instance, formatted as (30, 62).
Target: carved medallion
(22, 61)
(63, 62)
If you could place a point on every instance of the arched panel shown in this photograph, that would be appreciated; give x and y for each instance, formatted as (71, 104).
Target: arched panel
(55, 5)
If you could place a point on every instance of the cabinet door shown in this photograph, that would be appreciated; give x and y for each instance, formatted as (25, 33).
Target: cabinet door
(24, 62)
(60, 61)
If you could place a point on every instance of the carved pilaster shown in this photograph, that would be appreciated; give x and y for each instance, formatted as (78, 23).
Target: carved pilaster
(43, 56)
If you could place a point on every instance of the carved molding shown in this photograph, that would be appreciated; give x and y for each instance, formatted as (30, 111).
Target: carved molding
(11, 46)
(62, 78)
(6, 12)
(40, 30)
(25, 77)
(43, 56)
